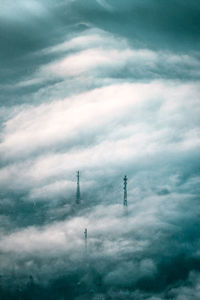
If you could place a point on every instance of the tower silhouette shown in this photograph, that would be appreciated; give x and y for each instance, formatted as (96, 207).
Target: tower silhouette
(85, 237)
(125, 191)
(78, 193)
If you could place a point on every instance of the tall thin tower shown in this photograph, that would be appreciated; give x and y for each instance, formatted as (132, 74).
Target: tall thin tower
(85, 237)
(78, 193)
(125, 191)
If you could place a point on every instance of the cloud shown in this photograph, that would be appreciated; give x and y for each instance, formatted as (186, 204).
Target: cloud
(62, 120)
(189, 290)
(13, 11)
(105, 5)
(81, 92)
(132, 132)
(123, 248)
(96, 52)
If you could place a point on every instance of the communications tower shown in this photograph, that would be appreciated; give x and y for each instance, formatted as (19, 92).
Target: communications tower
(125, 191)
(85, 237)
(78, 193)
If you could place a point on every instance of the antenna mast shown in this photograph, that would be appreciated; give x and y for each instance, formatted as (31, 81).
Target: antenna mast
(78, 193)
(125, 191)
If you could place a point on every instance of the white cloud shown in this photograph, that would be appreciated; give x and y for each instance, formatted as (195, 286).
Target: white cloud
(97, 60)
(111, 126)
(54, 122)
(105, 223)
(104, 113)
(99, 54)
(112, 233)
(73, 117)
(91, 38)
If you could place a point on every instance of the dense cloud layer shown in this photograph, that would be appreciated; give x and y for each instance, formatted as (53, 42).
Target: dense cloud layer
(107, 88)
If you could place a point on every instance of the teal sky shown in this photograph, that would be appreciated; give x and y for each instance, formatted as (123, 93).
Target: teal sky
(107, 87)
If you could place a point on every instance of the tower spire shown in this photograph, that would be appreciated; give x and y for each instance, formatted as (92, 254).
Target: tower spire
(125, 191)
(78, 193)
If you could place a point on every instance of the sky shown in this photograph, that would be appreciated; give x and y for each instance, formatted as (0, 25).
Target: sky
(109, 88)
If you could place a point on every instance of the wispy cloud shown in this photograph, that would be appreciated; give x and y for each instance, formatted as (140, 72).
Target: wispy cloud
(103, 55)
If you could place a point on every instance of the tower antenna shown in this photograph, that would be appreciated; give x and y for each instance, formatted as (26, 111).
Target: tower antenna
(125, 191)
(78, 193)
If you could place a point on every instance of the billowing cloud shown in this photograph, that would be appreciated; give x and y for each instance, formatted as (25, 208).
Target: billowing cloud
(81, 91)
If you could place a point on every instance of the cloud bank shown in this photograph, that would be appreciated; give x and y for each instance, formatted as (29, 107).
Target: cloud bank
(82, 92)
